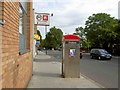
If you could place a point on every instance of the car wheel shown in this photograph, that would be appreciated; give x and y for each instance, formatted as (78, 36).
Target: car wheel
(109, 59)
(91, 57)
(99, 58)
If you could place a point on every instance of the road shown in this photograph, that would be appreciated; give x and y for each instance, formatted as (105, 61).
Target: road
(103, 72)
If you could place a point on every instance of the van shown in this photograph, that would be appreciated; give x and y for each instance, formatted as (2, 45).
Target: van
(100, 54)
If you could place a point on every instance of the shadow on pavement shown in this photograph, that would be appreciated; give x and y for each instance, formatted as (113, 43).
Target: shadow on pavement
(46, 74)
(43, 60)
(47, 60)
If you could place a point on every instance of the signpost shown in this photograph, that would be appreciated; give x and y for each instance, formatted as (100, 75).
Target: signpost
(42, 19)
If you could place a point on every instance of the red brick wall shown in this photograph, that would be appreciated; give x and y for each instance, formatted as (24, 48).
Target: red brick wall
(16, 69)
(0, 57)
(1, 46)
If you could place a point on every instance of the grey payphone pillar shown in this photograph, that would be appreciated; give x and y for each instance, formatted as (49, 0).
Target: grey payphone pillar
(71, 58)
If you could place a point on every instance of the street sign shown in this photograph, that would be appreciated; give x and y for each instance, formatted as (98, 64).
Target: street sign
(42, 19)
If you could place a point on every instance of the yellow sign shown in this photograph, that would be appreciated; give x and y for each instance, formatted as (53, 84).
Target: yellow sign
(36, 36)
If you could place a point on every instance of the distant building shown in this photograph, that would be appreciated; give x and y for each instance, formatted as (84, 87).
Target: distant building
(16, 38)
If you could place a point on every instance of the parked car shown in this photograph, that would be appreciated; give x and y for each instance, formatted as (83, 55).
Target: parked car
(100, 54)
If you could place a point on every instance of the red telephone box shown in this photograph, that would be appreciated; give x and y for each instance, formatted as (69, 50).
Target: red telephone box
(71, 58)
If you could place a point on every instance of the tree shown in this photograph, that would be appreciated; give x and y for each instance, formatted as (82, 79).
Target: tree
(100, 30)
(43, 43)
(116, 46)
(83, 40)
(80, 32)
(54, 38)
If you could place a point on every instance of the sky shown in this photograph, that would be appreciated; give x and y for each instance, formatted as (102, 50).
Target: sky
(70, 14)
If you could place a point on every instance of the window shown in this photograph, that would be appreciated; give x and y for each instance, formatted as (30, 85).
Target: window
(21, 21)
(1, 12)
(22, 29)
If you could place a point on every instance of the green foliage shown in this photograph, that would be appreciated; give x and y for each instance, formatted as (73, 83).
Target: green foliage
(43, 43)
(101, 30)
(80, 32)
(83, 41)
(54, 38)
(117, 30)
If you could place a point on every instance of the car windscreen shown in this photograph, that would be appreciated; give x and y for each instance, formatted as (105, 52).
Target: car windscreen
(103, 52)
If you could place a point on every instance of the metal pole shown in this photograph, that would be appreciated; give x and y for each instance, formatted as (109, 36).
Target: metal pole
(45, 37)
(33, 53)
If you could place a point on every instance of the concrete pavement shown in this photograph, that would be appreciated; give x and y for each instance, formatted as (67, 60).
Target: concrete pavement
(47, 74)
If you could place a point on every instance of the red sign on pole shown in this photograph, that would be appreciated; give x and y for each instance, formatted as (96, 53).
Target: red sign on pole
(45, 17)
(42, 19)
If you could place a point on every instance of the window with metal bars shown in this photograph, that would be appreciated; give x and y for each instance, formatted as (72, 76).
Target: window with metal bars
(22, 29)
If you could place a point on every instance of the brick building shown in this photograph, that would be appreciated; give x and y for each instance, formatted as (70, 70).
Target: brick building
(16, 37)
(0, 57)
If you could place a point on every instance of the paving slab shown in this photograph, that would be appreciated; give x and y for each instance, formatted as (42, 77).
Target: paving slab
(47, 74)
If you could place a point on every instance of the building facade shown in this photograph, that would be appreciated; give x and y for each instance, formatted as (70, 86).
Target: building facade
(16, 43)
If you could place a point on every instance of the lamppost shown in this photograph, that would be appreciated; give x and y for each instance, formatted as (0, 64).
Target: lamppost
(46, 36)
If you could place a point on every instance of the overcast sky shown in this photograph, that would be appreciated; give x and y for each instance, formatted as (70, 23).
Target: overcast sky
(70, 14)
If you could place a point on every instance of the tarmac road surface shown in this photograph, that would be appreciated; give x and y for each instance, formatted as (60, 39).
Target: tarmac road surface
(104, 72)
